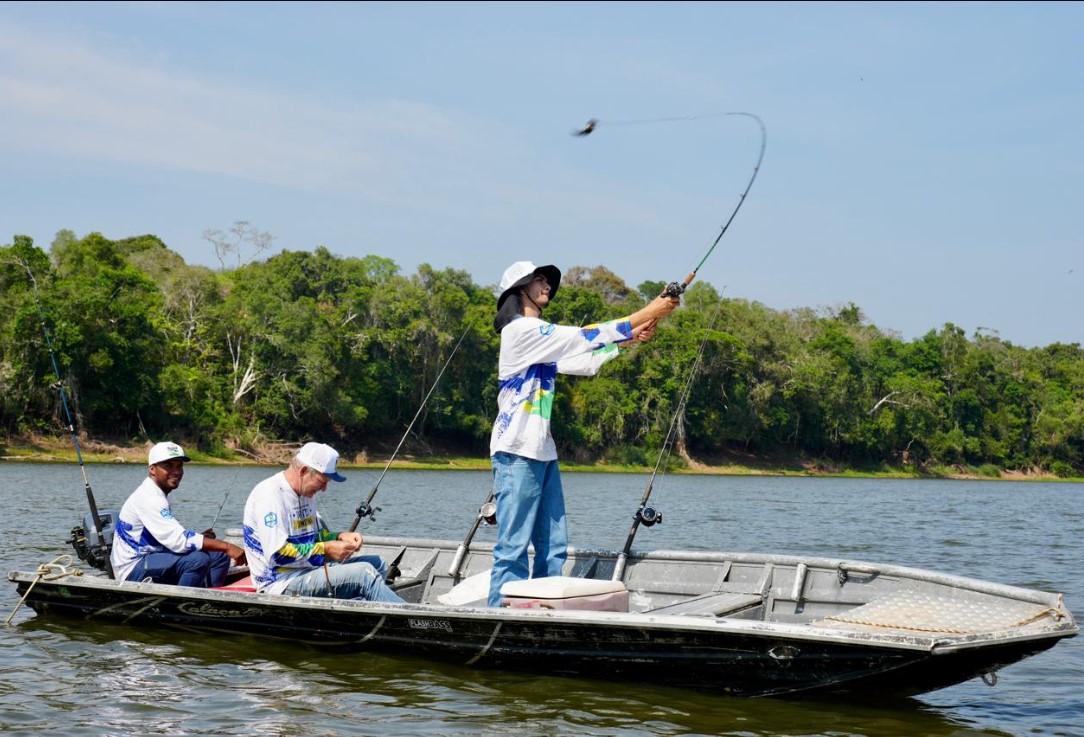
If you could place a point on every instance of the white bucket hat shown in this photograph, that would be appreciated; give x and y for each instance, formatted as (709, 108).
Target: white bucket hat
(520, 274)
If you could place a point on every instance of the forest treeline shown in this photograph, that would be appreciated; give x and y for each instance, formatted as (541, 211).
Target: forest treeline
(311, 345)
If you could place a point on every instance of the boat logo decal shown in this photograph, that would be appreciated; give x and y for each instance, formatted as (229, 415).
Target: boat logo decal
(270, 519)
(430, 624)
(204, 609)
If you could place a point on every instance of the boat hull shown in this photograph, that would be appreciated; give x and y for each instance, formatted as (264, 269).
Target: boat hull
(744, 655)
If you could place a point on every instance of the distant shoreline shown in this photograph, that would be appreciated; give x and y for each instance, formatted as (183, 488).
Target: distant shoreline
(42, 449)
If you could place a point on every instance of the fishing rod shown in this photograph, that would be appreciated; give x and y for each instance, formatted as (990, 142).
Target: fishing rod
(366, 509)
(649, 516)
(97, 552)
(211, 527)
(210, 531)
(675, 288)
(486, 513)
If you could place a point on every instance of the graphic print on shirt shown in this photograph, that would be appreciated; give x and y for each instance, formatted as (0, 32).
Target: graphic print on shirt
(534, 393)
(123, 532)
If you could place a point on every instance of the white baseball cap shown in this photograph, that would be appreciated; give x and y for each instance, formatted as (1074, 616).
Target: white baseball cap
(321, 458)
(166, 451)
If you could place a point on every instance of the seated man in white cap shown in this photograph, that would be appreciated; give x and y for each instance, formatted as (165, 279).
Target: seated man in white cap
(150, 544)
(290, 549)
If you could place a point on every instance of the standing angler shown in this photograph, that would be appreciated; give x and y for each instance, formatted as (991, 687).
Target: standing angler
(526, 478)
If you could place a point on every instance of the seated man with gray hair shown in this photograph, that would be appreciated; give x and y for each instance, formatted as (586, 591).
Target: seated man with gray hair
(290, 549)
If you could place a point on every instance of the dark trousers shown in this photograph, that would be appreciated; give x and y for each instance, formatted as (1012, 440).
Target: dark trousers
(198, 568)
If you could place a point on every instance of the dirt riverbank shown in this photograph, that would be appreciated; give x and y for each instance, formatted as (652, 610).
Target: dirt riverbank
(44, 449)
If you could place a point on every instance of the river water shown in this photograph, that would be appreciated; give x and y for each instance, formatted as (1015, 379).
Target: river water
(63, 676)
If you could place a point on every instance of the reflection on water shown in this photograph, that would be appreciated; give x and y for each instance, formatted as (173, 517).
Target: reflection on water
(94, 678)
(246, 685)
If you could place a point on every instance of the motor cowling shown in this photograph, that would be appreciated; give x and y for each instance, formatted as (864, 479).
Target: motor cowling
(88, 544)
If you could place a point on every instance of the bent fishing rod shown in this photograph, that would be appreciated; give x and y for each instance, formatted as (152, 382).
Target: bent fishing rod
(366, 508)
(675, 288)
(98, 524)
(649, 516)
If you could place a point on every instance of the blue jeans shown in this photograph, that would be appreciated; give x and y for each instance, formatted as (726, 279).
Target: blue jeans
(357, 578)
(530, 510)
(198, 568)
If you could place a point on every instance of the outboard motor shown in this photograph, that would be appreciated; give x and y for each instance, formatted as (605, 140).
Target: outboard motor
(91, 547)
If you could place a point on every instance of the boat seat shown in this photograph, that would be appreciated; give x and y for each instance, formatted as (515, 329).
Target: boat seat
(711, 605)
(241, 584)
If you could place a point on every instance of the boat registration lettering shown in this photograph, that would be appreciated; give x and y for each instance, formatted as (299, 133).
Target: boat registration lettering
(430, 624)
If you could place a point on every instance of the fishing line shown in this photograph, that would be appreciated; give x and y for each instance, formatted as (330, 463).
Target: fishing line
(649, 516)
(675, 289)
(593, 123)
(365, 509)
(98, 525)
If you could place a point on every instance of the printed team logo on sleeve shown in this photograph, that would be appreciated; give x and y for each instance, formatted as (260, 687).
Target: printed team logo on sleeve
(270, 519)
(166, 513)
(546, 329)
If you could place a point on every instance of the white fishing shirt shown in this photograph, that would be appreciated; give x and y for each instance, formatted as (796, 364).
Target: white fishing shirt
(146, 525)
(284, 534)
(533, 352)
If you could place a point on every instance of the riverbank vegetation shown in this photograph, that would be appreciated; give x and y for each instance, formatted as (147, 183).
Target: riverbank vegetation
(246, 361)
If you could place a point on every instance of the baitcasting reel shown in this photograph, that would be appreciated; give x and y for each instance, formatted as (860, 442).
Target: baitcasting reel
(674, 289)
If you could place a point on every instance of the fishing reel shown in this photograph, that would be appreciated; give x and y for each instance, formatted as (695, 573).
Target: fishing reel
(674, 289)
(649, 516)
(365, 510)
(488, 513)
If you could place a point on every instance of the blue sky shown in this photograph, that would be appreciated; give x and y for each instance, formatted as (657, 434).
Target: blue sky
(924, 160)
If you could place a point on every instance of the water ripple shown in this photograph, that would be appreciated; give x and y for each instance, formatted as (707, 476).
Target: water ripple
(98, 679)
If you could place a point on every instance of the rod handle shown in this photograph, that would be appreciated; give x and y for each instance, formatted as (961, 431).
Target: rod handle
(457, 562)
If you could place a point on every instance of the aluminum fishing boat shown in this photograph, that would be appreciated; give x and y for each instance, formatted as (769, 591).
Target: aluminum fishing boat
(721, 622)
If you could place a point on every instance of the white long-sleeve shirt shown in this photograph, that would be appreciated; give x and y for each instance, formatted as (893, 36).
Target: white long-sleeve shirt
(146, 525)
(533, 352)
(284, 534)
